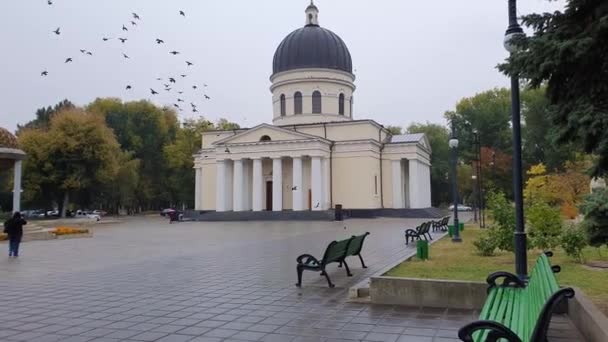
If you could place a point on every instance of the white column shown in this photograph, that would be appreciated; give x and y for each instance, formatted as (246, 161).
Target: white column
(17, 187)
(427, 185)
(198, 189)
(220, 186)
(258, 185)
(277, 184)
(414, 181)
(397, 184)
(297, 184)
(247, 167)
(316, 183)
(238, 185)
(326, 183)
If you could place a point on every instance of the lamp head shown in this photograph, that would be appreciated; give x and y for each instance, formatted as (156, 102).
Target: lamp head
(513, 35)
(453, 143)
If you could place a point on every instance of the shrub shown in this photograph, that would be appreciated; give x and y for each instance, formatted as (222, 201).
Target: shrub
(595, 209)
(545, 226)
(485, 245)
(573, 240)
(569, 210)
(501, 232)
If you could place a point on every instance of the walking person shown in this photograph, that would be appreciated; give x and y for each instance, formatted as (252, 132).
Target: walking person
(14, 228)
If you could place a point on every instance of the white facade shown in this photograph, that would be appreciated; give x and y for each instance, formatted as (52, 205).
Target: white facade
(314, 156)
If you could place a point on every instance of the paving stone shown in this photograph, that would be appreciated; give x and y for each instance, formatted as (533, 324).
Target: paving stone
(148, 336)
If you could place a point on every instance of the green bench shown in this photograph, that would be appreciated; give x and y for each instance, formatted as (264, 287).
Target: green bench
(515, 311)
(422, 231)
(441, 225)
(336, 252)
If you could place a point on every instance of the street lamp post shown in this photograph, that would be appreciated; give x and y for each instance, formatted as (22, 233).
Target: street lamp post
(515, 32)
(475, 204)
(454, 147)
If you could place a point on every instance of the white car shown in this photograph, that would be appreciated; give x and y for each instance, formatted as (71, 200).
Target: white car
(461, 207)
(84, 214)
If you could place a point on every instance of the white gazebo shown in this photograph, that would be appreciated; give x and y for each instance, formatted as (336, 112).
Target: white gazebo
(12, 156)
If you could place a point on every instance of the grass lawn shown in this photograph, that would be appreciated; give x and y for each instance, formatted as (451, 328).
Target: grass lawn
(459, 262)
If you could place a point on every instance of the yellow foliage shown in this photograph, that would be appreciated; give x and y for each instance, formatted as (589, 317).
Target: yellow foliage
(68, 231)
(564, 189)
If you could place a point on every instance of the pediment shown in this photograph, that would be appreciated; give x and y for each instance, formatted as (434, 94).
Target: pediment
(256, 134)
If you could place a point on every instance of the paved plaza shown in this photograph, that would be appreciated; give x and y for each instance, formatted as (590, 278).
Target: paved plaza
(146, 280)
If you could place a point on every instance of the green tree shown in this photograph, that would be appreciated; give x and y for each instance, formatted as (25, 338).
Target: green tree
(143, 130)
(395, 130)
(438, 137)
(180, 159)
(225, 125)
(44, 115)
(567, 53)
(77, 153)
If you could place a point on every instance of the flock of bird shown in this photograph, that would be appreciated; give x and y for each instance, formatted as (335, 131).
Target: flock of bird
(172, 82)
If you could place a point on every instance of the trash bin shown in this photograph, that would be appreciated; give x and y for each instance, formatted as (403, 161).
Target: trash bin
(451, 228)
(339, 214)
(422, 249)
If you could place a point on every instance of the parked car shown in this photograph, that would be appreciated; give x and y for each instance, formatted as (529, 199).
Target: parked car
(166, 211)
(461, 207)
(87, 215)
(100, 212)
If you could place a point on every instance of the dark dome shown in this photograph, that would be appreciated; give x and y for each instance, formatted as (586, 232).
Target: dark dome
(312, 47)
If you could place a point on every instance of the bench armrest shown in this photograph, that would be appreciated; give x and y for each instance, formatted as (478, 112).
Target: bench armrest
(309, 259)
(496, 332)
(510, 279)
(415, 231)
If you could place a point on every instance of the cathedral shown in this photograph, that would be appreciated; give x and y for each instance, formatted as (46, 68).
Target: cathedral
(315, 154)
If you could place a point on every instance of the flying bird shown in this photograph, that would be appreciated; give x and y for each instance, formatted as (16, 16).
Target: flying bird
(174, 53)
(124, 28)
(180, 92)
(168, 89)
(89, 53)
(176, 105)
(133, 23)
(171, 80)
(204, 85)
(182, 13)
(153, 91)
(105, 39)
(57, 31)
(194, 110)
(125, 56)
(160, 41)
(180, 100)
(192, 104)
(83, 51)
(122, 40)
(207, 97)
(166, 85)
(128, 87)
(189, 63)
(294, 188)
(68, 60)
(49, 2)
(183, 75)
(135, 16)
(44, 73)
(159, 79)
(194, 87)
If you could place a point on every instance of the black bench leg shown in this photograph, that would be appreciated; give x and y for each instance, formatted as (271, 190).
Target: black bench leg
(328, 280)
(362, 263)
(300, 270)
(347, 269)
(340, 265)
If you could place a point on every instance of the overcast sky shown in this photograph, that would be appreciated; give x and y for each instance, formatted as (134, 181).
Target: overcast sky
(413, 59)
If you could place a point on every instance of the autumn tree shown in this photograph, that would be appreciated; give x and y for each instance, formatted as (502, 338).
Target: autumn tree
(76, 154)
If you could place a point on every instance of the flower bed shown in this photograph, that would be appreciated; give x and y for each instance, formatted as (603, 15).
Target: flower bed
(68, 231)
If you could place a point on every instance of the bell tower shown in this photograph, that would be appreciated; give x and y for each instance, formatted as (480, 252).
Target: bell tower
(312, 14)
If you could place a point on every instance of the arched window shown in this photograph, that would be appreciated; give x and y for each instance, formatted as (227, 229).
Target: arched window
(283, 105)
(265, 138)
(341, 104)
(297, 103)
(316, 102)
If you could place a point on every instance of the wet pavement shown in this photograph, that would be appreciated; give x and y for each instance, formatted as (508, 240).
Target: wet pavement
(146, 280)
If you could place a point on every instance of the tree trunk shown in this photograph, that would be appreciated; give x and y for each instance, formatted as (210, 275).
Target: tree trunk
(66, 201)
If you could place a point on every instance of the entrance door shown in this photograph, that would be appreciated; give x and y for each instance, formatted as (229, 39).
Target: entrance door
(309, 199)
(269, 195)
